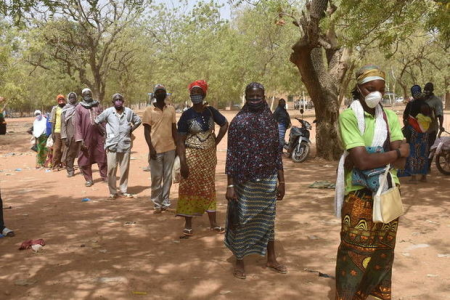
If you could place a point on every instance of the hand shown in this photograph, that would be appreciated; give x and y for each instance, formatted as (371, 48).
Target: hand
(82, 146)
(184, 171)
(280, 191)
(153, 153)
(66, 142)
(404, 149)
(442, 129)
(231, 194)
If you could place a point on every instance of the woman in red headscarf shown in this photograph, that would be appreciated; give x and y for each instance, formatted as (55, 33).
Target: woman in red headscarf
(197, 151)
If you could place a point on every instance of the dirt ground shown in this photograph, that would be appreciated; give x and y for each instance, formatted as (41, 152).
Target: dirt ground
(92, 253)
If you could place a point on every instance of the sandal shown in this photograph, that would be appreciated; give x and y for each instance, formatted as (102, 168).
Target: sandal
(279, 268)
(8, 232)
(240, 274)
(218, 229)
(188, 232)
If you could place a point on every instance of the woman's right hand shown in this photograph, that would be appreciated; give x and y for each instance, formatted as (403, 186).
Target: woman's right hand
(184, 171)
(231, 194)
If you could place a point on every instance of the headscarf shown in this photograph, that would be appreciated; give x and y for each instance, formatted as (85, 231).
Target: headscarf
(39, 126)
(199, 83)
(118, 94)
(253, 145)
(416, 91)
(88, 104)
(69, 109)
(60, 97)
(369, 73)
(253, 86)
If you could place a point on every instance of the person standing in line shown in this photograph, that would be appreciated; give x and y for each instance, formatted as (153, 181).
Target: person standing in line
(120, 122)
(38, 130)
(68, 133)
(197, 147)
(160, 133)
(90, 137)
(3, 104)
(283, 119)
(255, 181)
(372, 139)
(437, 116)
(55, 119)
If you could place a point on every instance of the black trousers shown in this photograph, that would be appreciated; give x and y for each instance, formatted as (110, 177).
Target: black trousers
(2, 223)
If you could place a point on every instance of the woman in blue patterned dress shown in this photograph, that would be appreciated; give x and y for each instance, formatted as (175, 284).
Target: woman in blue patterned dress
(253, 167)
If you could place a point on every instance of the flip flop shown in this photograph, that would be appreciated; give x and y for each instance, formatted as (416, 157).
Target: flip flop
(238, 273)
(218, 229)
(188, 232)
(279, 268)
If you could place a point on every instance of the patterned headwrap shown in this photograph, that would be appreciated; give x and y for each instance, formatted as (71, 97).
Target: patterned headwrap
(199, 83)
(369, 73)
(254, 85)
(416, 91)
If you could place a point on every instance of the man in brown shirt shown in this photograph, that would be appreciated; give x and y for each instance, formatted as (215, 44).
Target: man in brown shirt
(161, 134)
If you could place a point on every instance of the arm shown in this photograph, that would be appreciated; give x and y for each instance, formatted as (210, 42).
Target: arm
(136, 122)
(223, 129)
(362, 160)
(174, 133)
(281, 185)
(181, 149)
(148, 139)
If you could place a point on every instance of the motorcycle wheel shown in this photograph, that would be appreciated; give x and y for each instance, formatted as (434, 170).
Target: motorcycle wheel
(302, 153)
(443, 162)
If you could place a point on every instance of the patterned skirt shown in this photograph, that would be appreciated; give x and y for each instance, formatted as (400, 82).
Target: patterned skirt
(417, 161)
(197, 193)
(366, 253)
(257, 206)
(41, 150)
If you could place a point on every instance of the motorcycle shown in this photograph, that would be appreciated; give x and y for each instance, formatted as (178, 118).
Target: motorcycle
(441, 149)
(299, 143)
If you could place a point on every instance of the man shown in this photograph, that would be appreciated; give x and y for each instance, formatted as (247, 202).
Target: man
(120, 123)
(55, 119)
(284, 121)
(90, 137)
(68, 133)
(160, 134)
(437, 115)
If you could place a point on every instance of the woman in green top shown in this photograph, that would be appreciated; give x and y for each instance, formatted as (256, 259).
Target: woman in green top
(372, 139)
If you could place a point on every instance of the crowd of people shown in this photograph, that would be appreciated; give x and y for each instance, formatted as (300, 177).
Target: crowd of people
(371, 135)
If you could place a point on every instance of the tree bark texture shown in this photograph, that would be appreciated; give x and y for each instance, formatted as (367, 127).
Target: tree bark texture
(323, 68)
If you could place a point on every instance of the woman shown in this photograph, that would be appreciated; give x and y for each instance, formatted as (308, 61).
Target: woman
(196, 147)
(39, 130)
(253, 166)
(372, 139)
(284, 121)
(417, 161)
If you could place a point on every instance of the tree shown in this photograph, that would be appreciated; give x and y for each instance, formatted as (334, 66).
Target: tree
(87, 39)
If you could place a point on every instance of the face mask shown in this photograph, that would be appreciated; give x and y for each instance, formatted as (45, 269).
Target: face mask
(87, 98)
(255, 104)
(196, 99)
(39, 117)
(118, 104)
(161, 97)
(373, 99)
(62, 104)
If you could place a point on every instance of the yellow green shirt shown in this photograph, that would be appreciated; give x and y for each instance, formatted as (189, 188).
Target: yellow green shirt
(351, 137)
(58, 120)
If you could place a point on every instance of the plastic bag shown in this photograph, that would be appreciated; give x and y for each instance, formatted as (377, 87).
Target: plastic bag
(176, 175)
(49, 143)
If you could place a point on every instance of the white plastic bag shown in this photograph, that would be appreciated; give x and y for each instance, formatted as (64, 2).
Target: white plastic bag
(49, 142)
(176, 175)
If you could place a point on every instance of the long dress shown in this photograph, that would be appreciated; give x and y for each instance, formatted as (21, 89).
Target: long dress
(93, 138)
(253, 161)
(197, 193)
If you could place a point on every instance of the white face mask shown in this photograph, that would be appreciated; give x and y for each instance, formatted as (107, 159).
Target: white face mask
(373, 99)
